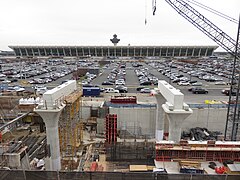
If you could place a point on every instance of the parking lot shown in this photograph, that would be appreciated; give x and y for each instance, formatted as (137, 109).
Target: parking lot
(132, 81)
(131, 76)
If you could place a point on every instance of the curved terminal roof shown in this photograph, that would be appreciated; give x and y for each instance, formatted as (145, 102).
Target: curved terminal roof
(113, 51)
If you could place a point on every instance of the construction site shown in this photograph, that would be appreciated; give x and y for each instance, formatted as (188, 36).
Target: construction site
(68, 133)
(54, 138)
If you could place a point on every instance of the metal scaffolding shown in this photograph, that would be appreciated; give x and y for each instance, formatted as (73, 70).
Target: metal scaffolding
(70, 125)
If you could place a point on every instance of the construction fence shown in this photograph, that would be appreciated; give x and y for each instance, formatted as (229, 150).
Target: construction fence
(52, 175)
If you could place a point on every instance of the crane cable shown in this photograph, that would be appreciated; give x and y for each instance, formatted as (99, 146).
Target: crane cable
(213, 11)
(203, 7)
(154, 7)
(145, 12)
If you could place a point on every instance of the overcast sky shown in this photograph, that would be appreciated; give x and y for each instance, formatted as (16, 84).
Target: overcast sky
(93, 22)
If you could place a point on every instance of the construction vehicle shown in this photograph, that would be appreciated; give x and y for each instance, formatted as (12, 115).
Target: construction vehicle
(227, 43)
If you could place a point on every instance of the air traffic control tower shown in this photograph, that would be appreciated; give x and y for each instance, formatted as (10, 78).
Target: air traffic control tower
(115, 40)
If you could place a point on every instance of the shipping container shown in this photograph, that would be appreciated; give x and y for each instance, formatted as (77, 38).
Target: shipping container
(91, 91)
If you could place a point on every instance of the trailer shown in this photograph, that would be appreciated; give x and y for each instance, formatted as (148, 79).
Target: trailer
(91, 91)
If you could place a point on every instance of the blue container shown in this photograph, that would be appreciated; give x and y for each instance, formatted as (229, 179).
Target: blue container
(91, 91)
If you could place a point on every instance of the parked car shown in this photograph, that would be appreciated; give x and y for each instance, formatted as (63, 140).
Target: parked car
(227, 92)
(191, 82)
(197, 84)
(183, 83)
(40, 89)
(140, 87)
(176, 80)
(191, 88)
(122, 89)
(145, 90)
(220, 83)
(111, 90)
(87, 85)
(107, 83)
(199, 91)
(146, 83)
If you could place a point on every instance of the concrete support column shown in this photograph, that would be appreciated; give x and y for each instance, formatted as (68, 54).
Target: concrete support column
(51, 51)
(160, 117)
(45, 52)
(186, 52)
(32, 52)
(206, 51)
(175, 119)
(83, 52)
(89, 51)
(193, 52)
(95, 51)
(58, 52)
(39, 53)
(64, 53)
(76, 51)
(51, 117)
(199, 52)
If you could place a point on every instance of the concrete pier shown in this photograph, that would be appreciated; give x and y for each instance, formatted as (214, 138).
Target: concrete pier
(174, 107)
(160, 117)
(175, 119)
(50, 110)
(51, 118)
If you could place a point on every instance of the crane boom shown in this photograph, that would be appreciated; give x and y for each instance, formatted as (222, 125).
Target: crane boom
(232, 130)
(204, 25)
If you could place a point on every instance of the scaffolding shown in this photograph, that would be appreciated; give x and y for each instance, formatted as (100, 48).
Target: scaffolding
(70, 126)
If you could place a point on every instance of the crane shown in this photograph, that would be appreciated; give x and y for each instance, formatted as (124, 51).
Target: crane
(227, 43)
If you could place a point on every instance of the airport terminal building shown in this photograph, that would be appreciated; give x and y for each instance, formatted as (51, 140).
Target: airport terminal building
(113, 51)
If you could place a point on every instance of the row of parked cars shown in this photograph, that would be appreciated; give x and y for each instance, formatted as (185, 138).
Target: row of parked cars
(145, 77)
(202, 69)
(180, 78)
(117, 78)
(37, 72)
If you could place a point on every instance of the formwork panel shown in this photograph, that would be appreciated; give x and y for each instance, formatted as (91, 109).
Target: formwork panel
(111, 128)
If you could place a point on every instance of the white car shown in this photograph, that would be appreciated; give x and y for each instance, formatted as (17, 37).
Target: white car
(197, 84)
(111, 90)
(145, 90)
(220, 83)
(119, 82)
(183, 83)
